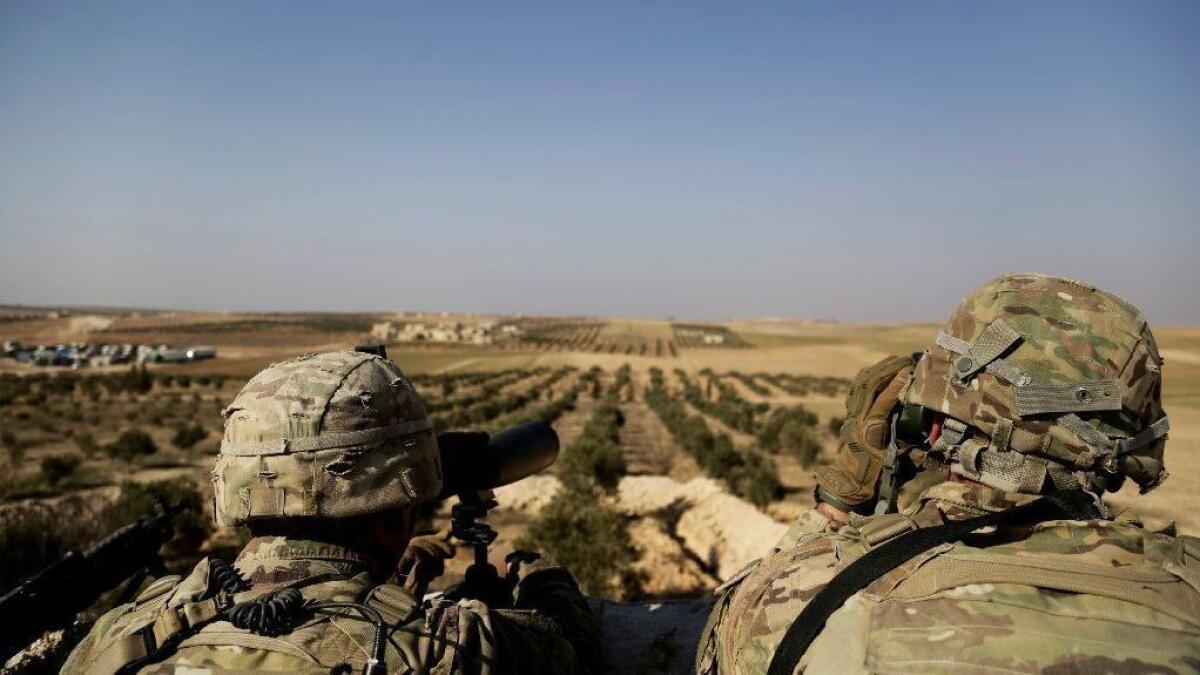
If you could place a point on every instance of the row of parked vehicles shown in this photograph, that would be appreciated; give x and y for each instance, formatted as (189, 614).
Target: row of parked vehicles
(81, 354)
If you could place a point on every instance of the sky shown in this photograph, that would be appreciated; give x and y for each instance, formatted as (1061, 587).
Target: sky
(710, 160)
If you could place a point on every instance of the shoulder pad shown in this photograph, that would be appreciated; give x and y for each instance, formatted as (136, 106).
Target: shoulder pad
(158, 588)
(392, 601)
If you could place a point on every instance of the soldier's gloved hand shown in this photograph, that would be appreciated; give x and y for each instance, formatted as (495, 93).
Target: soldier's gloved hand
(424, 560)
(850, 483)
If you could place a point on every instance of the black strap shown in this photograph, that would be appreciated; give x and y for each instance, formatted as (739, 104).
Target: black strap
(1069, 505)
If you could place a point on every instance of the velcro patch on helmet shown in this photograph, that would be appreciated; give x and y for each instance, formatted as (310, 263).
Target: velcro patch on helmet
(996, 339)
(1094, 396)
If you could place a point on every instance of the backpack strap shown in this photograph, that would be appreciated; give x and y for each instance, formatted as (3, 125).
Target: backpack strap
(155, 640)
(393, 603)
(1071, 505)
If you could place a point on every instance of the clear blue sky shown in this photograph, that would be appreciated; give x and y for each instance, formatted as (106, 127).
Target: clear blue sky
(865, 161)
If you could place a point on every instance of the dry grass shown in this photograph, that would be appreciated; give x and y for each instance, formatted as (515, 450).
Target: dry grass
(250, 342)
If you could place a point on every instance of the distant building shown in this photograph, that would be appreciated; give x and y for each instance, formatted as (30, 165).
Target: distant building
(441, 333)
(384, 332)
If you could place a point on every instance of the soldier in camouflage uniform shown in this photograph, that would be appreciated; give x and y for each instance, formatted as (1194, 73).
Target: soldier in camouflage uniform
(323, 458)
(1037, 386)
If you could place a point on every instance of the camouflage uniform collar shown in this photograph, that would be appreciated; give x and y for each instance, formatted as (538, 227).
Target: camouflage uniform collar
(290, 548)
(958, 501)
(278, 559)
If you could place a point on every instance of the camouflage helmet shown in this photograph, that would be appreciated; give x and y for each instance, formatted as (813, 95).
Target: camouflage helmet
(326, 435)
(1043, 378)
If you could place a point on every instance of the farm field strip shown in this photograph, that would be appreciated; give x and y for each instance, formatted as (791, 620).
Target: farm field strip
(488, 408)
(476, 391)
(660, 432)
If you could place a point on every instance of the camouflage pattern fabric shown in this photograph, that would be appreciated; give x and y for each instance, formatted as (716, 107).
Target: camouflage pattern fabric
(327, 435)
(1077, 349)
(1058, 597)
(549, 630)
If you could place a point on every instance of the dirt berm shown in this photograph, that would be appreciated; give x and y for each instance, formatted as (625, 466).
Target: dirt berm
(690, 537)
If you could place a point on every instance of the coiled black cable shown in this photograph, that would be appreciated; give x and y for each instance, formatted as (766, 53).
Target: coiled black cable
(223, 578)
(271, 614)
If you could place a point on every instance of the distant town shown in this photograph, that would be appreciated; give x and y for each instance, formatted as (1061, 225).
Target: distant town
(485, 333)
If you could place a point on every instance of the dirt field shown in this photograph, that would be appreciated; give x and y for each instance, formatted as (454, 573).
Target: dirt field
(193, 393)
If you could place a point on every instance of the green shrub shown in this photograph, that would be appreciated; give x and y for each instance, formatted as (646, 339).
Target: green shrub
(550, 412)
(136, 380)
(751, 383)
(757, 481)
(730, 408)
(57, 467)
(621, 381)
(800, 441)
(90, 387)
(86, 443)
(746, 472)
(131, 444)
(835, 425)
(596, 455)
(590, 460)
(187, 435)
(16, 450)
(192, 527)
(588, 538)
(796, 420)
(62, 384)
(33, 536)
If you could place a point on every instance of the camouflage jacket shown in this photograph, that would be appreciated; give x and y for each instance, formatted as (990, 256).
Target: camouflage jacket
(549, 630)
(1056, 597)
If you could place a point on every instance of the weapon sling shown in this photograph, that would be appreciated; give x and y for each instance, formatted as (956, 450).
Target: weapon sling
(1069, 505)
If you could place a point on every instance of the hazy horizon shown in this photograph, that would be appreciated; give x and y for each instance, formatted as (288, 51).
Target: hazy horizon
(864, 163)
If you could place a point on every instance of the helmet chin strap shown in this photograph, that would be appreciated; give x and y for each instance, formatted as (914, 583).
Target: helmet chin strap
(889, 478)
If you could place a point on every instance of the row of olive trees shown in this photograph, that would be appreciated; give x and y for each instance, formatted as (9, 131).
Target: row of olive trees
(803, 385)
(751, 383)
(747, 473)
(729, 407)
(792, 429)
(488, 388)
(485, 410)
(37, 388)
(577, 528)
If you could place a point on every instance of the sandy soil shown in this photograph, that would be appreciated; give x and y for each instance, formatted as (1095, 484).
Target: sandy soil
(812, 348)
